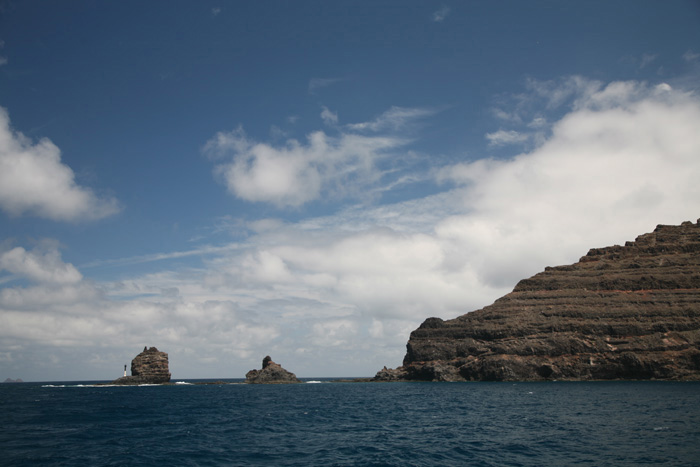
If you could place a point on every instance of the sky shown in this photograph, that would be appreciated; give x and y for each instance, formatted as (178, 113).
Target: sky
(226, 180)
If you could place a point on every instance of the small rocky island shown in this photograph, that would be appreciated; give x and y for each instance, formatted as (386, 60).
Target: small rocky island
(621, 312)
(148, 367)
(10, 380)
(271, 373)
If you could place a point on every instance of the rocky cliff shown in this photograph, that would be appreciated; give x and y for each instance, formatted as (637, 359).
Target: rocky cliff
(271, 373)
(621, 312)
(148, 367)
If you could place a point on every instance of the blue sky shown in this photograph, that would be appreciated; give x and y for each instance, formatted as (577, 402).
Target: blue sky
(311, 180)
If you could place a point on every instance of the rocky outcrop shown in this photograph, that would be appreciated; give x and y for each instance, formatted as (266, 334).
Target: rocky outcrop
(621, 312)
(271, 373)
(148, 367)
(10, 380)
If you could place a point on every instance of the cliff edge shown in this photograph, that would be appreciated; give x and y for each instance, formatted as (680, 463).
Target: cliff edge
(621, 312)
(148, 367)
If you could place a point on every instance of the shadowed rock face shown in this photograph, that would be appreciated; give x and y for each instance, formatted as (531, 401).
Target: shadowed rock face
(148, 367)
(621, 312)
(271, 373)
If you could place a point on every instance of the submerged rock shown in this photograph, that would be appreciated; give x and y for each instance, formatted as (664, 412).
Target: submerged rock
(271, 373)
(621, 312)
(148, 367)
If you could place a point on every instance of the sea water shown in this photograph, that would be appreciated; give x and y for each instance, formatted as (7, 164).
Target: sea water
(346, 424)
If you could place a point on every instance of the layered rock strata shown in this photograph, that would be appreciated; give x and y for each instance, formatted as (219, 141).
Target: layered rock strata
(271, 373)
(148, 367)
(621, 312)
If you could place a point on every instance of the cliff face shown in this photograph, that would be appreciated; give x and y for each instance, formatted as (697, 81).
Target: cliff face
(271, 373)
(148, 367)
(621, 312)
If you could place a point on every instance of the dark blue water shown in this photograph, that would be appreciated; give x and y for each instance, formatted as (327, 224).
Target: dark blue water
(484, 424)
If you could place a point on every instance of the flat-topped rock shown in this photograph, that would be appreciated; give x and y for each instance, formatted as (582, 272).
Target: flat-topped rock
(148, 367)
(621, 312)
(271, 373)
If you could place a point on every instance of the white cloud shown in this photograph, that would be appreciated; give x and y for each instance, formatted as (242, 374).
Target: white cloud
(295, 174)
(34, 180)
(624, 160)
(441, 14)
(42, 264)
(394, 119)
(328, 117)
(503, 138)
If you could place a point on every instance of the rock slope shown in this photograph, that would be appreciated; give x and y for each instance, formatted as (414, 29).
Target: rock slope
(621, 312)
(271, 373)
(148, 367)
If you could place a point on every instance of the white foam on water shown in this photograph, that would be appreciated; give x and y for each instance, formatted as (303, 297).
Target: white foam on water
(314, 382)
(183, 382)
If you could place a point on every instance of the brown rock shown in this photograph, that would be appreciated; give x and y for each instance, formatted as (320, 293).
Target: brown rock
(148, 367)
(621, 312)
(271, 373)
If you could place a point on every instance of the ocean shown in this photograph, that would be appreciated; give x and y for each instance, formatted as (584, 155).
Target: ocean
(352, 424)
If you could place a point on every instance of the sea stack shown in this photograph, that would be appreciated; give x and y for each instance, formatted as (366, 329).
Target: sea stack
(148, 367)
(271, 373)
(621, 312)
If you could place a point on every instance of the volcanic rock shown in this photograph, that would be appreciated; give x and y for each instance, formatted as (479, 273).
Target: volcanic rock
(621, 312)
(148, 367)
(271, 373)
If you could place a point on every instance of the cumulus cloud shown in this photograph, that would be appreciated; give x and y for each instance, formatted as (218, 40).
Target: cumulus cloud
(43, 264)
(33, 180)
(622, 161)
(297, 173)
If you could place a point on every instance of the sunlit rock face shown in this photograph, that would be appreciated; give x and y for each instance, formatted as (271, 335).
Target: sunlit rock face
(148, 367)
(621, 312)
